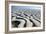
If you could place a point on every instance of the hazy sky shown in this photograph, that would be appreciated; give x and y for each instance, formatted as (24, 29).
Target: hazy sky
(14, 8)
(26, 7)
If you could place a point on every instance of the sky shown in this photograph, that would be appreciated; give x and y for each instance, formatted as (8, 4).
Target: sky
(33, 8)
(24, 7)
